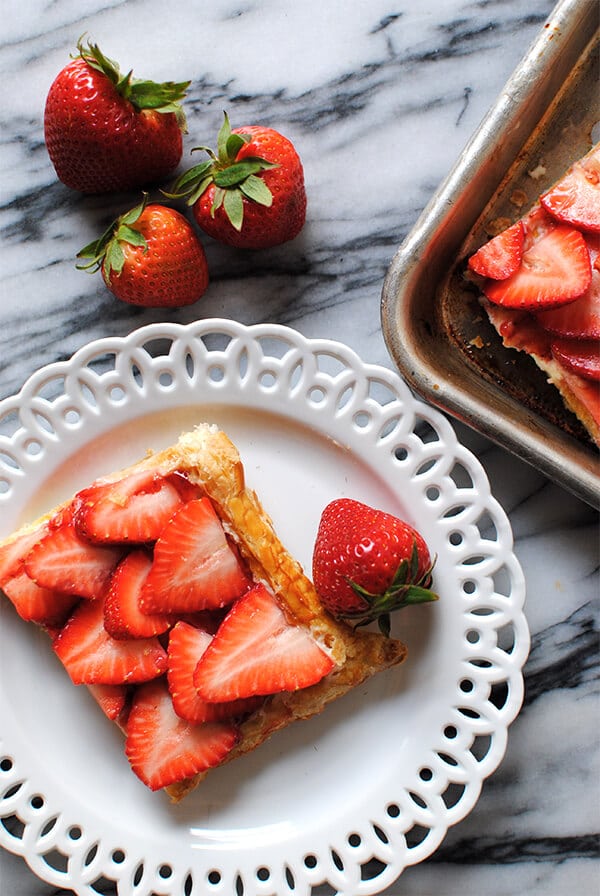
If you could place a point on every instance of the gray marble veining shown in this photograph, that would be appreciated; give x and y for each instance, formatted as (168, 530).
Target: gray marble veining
(380, 98)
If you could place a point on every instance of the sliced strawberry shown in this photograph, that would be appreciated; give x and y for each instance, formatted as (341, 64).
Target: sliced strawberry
(581, 356)
(501, 256)
(186, 645)
(188, 491)
(575, 198)
(122, 615)
(36, 604)
(111, 698)
(578, 319)
(164, 749)
(257, 651)
(554, 271)
(64, 561)
(195, 567)
(91, 656)
(12, 554)
(133, 509)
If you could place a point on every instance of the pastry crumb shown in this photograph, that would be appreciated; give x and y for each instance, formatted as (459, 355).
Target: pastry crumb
(519, 198)
(496, 226)
(538, 171)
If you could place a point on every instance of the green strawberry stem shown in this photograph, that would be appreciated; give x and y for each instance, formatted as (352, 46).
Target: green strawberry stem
(142, 94)
(404, 590)
(233, 180)
(106, 251)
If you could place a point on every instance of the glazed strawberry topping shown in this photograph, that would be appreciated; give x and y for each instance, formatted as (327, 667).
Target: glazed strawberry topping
(195, 567)
(164, 749)
(12, 554)
(256, 651)
(65, 561)
(123, 617)
(555, 270)
(91, 656)
(580, 319)
(112, 700)
(136, 582)
(501, 257)
(36, 604)
(582, 356)
(575, 198)
(134, 509)
(187, 644)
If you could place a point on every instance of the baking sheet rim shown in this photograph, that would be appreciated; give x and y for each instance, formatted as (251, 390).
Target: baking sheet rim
(563, 460)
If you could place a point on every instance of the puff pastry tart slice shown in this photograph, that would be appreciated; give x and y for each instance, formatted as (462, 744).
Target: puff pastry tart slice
(540, 285)
(165, 590)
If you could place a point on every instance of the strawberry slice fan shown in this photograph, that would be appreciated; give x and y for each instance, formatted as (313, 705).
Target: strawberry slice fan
(540, 282)
(164, 589)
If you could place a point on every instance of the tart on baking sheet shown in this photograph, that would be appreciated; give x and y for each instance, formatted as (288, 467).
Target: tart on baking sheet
(540, 287)
(165, 590)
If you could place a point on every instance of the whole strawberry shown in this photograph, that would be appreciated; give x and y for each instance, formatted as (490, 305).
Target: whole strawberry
(110, 132)
(368, 563)
(250, 193)
(150, 256)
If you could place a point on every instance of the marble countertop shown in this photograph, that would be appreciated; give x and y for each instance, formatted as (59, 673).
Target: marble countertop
(380, 98)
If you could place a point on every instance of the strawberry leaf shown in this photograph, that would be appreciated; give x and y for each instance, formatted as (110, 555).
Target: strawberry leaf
(106, 253)
(403, 591)
(235, 174)
(255, 189)
(114, 258)
(162, 97)
(96, 59)
(199, 190)
(129, 235)
(218, 199)
(233, 180)
(222, 138)
(234, 143)
(234, 208)
(133, 214)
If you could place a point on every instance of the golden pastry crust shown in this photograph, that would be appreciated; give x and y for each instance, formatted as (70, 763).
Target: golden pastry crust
(208, 458)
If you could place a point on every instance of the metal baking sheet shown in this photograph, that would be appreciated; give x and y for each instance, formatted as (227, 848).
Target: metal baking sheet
(542, 121)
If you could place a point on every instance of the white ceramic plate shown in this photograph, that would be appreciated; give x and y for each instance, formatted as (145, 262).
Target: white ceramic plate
(349, 798)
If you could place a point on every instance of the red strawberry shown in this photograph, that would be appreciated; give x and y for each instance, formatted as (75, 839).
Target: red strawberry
(164, 749)
(368, 563)
(249, 194)
(575, 198)
(555, 270)
(35, 604)
(91, 656)
(257, 651)
(186, 645)
(13, 553)
(581, 356)
(64, 561)
(111, 698)
(187, 489)
(501, 256)
(150, 256)
(106, 132)
(122, 615)
(195, 567)
(580, 318)
(133, 509)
